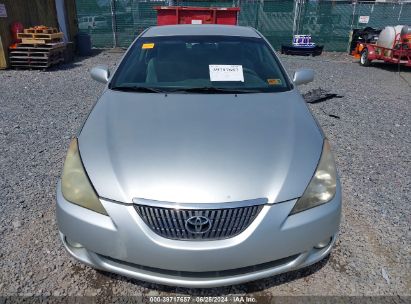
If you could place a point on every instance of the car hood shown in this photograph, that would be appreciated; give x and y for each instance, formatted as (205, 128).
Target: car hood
(200, 148)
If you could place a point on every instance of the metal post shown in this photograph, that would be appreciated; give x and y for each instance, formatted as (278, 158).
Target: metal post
(352, 25)
(296, 5)
(237, 3)
(300, 13)
(299, 6)
(399, 15)
(257, 15)
(113, 22)
(353, 15)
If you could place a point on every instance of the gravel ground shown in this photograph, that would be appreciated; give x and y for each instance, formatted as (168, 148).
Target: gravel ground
(369, 129)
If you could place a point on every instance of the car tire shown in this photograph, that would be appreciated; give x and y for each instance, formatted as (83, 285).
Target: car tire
(364, 61)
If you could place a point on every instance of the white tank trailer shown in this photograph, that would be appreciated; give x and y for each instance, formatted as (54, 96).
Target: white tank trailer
(393, 46)
(390, 34)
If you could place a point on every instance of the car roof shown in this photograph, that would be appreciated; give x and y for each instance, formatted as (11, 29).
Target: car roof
(201, 29)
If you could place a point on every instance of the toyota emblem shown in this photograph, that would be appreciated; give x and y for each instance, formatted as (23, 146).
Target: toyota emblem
(198, 224)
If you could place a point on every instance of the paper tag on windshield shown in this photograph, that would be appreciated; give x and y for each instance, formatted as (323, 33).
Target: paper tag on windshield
(220, 72)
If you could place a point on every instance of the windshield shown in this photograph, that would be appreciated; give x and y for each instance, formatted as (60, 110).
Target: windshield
(203, 64)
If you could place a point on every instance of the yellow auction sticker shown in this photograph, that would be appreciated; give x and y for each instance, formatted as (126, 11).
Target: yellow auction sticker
(147, 46)
(274, 81)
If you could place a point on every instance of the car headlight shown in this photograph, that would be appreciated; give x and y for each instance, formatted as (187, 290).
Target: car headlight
(75, 185)
(323, 184)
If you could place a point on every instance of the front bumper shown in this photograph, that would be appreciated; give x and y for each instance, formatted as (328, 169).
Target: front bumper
(122, 243)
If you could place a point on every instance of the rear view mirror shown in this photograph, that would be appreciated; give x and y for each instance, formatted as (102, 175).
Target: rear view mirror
(303, 76)
(100, 73)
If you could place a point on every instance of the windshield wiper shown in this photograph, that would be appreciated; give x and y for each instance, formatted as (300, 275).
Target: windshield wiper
(211, 90)
(137, 89)
(206, 90)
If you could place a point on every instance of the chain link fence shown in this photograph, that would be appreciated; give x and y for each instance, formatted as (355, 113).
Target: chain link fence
(115, 23)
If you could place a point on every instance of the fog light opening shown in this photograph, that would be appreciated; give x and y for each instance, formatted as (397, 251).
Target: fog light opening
(323, 243)
(73, 244)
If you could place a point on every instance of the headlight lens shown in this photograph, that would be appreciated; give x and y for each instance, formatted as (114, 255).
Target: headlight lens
(75, 185)
(323, 184)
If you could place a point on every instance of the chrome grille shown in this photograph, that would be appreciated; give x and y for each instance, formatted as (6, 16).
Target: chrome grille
(172, 223)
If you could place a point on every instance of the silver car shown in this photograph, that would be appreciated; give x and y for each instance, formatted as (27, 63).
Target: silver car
(200, 165)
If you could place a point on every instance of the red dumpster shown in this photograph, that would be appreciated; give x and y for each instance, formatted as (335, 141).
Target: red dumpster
(196, 15)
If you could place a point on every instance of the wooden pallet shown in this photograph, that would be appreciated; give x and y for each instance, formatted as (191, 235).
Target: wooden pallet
(34, 53)
(35, 63)
(39, 46)
(36, 56)
(40, 35)
(31, 60)
(43, 65)
(49, 30)
(39, 41)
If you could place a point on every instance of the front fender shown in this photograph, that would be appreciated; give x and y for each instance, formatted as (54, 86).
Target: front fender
(371, 52)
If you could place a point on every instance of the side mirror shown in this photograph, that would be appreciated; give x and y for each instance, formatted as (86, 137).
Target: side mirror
(100, 73)
(303, 76)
